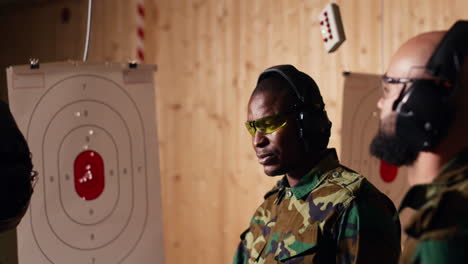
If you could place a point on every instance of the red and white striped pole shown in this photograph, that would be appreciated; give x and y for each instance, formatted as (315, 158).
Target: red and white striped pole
(140, 30)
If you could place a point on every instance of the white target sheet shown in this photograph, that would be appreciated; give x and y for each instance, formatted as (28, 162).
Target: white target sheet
(360, 125)
(91, 131)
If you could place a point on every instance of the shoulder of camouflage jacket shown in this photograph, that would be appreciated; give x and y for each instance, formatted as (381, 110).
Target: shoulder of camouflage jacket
(443, 216)
(340, 184)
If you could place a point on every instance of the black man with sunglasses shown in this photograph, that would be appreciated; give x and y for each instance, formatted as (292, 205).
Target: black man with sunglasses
(320, 211)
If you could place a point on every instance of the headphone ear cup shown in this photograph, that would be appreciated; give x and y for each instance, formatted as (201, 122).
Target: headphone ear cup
(423, 114)
(300, 125)
(314, 130)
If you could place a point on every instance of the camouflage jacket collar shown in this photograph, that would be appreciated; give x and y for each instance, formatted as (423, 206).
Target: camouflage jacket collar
(312, 179)
(426, 197)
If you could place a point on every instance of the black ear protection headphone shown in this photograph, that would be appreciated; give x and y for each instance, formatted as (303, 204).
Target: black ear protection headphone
(425, 110)
(313, 123)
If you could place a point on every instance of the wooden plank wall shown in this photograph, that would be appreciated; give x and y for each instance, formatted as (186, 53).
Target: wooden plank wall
(38, 31)
(209, 54)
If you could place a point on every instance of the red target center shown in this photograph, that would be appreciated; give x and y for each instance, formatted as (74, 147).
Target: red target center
(388, 172)
(89, 175)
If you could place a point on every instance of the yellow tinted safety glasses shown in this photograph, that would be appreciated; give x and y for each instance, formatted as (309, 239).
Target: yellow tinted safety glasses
(267, 125)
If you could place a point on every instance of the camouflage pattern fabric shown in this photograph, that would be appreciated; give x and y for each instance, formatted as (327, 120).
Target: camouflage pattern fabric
(333, 215)
(438, 230)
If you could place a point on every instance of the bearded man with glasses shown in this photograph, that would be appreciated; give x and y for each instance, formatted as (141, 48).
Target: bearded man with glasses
(320, 211)
(423, 125)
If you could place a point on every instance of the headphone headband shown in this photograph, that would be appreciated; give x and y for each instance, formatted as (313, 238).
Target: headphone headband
(282, 74)
(447, 59)
(304, 87)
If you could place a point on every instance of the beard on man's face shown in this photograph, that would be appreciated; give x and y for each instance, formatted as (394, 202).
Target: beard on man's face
(393, 150)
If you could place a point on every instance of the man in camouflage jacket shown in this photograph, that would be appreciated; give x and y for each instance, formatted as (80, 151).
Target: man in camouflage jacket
(320, 211)
(423, 125)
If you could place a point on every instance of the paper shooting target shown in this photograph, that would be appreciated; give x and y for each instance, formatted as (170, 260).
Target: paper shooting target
(92, 135)
(360, 125)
